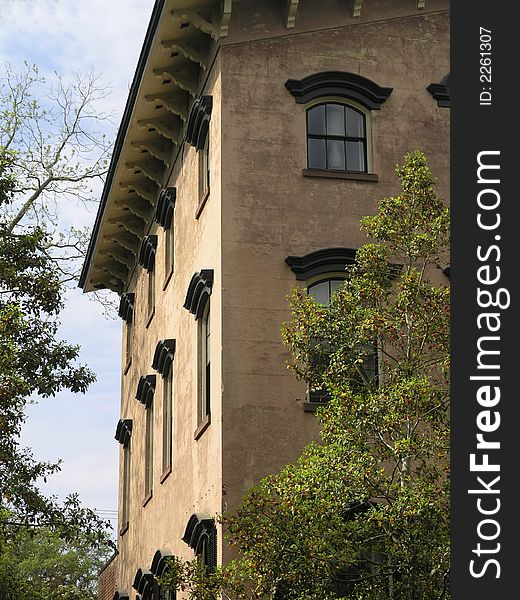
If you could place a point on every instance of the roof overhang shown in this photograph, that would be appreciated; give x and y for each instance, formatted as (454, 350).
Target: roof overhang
(179, 43)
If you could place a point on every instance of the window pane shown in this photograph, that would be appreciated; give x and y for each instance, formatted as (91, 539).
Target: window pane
(335, 119)
(167, 419)
(320, 292)
(129, 329)
(355, 123)
(208, 335)
(335, 284)
(316, 120)
(168, 251)
(151, 291)
(336, 155)
(356, 156)
(149, 450)
(126, 486)
(316, 150)
(204, 394)
(321, 395)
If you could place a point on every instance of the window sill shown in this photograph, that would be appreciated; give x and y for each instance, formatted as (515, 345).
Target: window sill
(340, 175)
(167, 279)
(202, 427)
(312, 406)
(124, 529)
(202, 204)
(147, 498)
(150, 318)
(165, 474)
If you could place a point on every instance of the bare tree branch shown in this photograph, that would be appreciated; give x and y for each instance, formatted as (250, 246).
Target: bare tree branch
(57, 136)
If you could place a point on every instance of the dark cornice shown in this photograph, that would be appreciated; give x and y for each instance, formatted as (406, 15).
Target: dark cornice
(146, 389)
(198, 122)
(126, 306)
(165, 206)
(441, 92)
(338, 83)
(160, 562)
(163, 356)
(198, 292)
(124, 431)
(121, 133)
(147, 252)
(198, 526)
(326, 260)
(143, 583)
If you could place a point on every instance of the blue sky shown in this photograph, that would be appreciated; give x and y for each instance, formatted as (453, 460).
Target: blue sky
(67, 36)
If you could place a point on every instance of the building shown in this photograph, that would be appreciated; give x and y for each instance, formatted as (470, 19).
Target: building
(255, 136)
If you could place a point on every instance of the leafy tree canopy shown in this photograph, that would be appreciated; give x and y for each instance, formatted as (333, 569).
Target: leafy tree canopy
(41, 565)
(364, 513)
(33, 360)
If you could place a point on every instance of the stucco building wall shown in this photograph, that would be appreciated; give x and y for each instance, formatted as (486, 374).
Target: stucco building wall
(271, 210)
(261, 209)
(194, 484)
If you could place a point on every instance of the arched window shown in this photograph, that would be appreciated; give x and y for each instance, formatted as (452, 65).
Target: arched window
(123, 436)
(336, 138)
(322, 291)
(201, 536)
(163, 363)
(126, 312)
(164, 216)
(323, 272)
(197, 130)
(160, 567)
(145, 393)
(198, 303)
(146, 259)
(339, 106)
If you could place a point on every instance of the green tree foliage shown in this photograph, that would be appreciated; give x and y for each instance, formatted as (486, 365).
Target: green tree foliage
(40, 565)
(33, 361)
(364, 513)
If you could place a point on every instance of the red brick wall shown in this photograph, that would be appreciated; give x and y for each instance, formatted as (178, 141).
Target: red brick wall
(107, 580)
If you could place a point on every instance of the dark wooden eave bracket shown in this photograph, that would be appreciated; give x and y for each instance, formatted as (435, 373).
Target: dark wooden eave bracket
(173, 60)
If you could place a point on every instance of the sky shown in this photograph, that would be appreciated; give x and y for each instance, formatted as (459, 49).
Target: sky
(67, 36)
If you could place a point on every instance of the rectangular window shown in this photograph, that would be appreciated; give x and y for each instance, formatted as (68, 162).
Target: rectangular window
(167, 422)
(125, 503)
(169, 250)
(148, 466)
(204, 170)
(204, 403)
(128, 341)
(151, 292)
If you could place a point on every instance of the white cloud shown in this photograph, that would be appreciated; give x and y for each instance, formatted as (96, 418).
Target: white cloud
(66, 36)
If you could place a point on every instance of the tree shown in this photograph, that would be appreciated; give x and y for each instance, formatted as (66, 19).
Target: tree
(40, 565)
(33, 361)
(364, 513)
(57, 150)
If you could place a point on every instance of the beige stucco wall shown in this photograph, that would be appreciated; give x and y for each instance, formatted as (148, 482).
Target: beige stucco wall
(271, 211)
(260, 210)
(194, 485)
